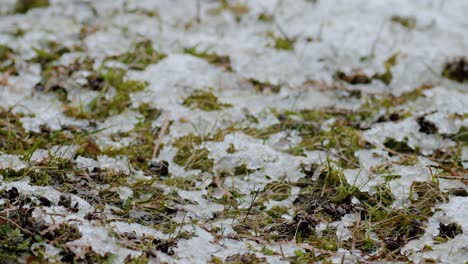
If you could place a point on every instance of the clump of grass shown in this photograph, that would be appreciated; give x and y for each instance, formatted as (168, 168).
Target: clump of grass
(231, 149)
(277, 191)
(191, 156)
(237, 9)
(456, 70)
(49, 54)
(283, 42)
(248, 258)
(211, 57)
(356, 77)
(265, 17)
(407, 22)
(205, 101)
(140, 57)
(101, 107)
(387, 76)
(14, 139)
(398, 146)
(265, 86)
(344, 140)
(23, 6)
(242, 170)
(19, 230)
(448, 231)
(6, 58)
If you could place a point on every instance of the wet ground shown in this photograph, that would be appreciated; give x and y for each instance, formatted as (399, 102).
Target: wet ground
(144, 131)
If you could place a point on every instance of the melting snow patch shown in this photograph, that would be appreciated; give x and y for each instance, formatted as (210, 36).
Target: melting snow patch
(454, 250)
(11, 162)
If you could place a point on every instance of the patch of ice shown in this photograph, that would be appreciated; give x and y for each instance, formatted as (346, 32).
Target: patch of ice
(464, 157)
(99, 240)
(11, 162)
(118, 164)
(124, 193)
(407, 129)
(63, 152)
(140, 230)
(202, 207)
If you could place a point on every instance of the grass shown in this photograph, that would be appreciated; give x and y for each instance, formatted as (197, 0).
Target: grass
(407, 22)
(191, 155)
(101, 106)
(142, 55)
(23, 6)
(237, 9)
(281, 43)
(325, 196)
(211, 57)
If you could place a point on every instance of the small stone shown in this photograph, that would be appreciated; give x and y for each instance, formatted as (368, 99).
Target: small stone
(458, 192)
(159, 167)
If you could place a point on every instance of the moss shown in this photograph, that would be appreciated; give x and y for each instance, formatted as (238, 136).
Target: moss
(23, 6)
(211, 57)
(142, 55)
(191, 156)
(205, 101)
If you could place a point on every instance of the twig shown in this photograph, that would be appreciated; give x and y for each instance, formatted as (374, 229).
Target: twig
(254, 238)
(18, 226)
(161, 133)
(219, 183)
(314, 249)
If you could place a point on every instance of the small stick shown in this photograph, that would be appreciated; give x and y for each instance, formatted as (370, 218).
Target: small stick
(251, 205)
(161, 133)
(219, 183)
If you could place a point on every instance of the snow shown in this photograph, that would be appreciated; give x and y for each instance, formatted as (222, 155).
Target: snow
(326, 37)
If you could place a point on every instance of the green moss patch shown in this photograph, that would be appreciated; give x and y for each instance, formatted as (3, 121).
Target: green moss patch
(205, 101)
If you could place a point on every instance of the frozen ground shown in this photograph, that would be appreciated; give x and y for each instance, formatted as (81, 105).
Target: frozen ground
(295, 131)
